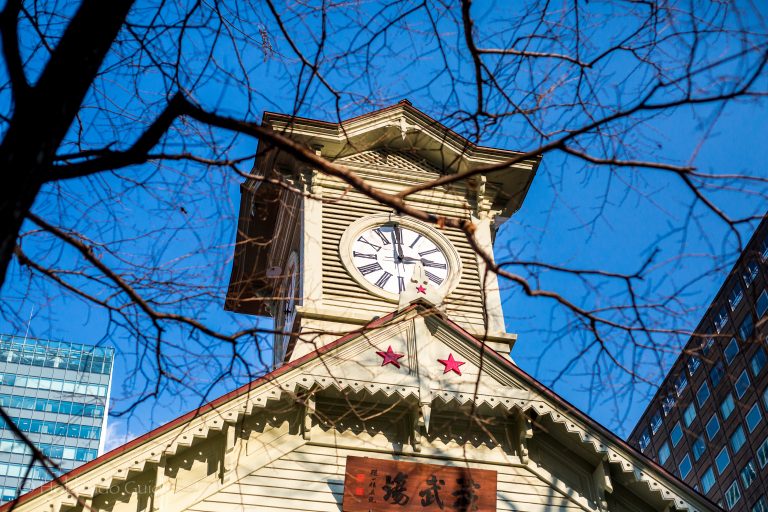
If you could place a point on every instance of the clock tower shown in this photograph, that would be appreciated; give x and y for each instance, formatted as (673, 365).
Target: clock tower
(323, 259)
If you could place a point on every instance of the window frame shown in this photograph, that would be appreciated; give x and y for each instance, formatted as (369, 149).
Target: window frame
(755, 408)
(734, 299)
(672, 434)
(655, 429)
(747, 321)
(706, 427)
(664, 452)
(728, 352)
(728, 492)
(691, 407)
(747, 482)
(758, 358)
(742, 440)
(704, 386)
(699, 447)
(727, 411)
(704, 487)
(761, 303)
(723, 452)
(743, 375)
(687, 459)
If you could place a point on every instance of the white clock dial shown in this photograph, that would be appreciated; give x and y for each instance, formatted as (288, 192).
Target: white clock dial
(385, 256)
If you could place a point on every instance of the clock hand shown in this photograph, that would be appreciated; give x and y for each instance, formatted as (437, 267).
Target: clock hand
(396, 243)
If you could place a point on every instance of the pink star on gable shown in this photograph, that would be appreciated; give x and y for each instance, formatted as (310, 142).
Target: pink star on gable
(390, 357)
(421, 289)
(451, 364)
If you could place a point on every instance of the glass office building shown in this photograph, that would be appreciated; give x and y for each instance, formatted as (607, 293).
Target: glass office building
(708, 422)
(57, 393)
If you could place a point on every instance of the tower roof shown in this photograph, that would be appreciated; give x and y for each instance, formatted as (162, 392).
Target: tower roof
(502, 182)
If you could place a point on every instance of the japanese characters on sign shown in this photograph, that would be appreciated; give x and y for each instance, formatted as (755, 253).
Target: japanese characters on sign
(378, 485)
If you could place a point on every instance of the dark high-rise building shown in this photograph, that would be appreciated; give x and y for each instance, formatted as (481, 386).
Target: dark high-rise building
(708, 422)
(57, 393)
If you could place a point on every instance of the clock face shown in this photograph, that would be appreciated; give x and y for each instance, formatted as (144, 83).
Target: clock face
(385, 255)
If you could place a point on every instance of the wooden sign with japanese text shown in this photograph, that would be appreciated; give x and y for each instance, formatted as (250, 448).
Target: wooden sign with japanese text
(377, 485)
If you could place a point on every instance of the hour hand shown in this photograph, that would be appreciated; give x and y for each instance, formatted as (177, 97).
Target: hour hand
(396, 242)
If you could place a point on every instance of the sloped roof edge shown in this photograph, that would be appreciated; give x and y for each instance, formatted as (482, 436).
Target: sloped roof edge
(537, 386)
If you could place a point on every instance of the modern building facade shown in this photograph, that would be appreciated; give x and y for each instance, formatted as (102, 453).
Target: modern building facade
(57, 393)
(708, 422)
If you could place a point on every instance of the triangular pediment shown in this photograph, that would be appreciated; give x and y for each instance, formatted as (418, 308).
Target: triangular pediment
(405, 130)
(283, 441)
(393, 160)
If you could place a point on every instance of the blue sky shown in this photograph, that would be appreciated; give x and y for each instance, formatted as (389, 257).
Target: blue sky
(181, 217)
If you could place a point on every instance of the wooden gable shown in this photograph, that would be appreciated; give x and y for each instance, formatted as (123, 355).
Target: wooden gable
(411, 387)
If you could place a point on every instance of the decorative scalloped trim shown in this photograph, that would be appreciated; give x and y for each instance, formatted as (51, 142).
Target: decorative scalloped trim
(199, 428)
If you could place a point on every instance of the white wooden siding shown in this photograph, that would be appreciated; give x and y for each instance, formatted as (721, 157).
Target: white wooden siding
(312, 477)
(343, 206)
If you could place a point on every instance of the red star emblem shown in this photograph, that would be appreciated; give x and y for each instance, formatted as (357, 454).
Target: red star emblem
(390, 357)
(451, 364)
(421, 289)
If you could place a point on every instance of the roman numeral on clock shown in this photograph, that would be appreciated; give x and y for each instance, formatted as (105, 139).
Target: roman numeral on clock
(422, 254)
(383, 237)
(382, 281)
(432, 277)
(415, 241)
(434, 264)
(398, 235)
(371, 267)
(363, 255)
(401, 283)
(375, 247)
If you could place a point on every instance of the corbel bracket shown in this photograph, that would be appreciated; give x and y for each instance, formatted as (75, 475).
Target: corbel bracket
(522, 430)
(308, 410)
(601, 477)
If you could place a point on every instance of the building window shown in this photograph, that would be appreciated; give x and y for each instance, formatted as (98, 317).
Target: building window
(716, 374)
(667, 404)
(709, 342)
(734, 297)
(699, 446)
(753, 417)
(762, 304)
(748, 474)
(732, 495)
(720, 320)
(737, 439)
(742, 384)
(702, 395)
(645, 440)
(757, 363)
(746, 328)
(664, 453)
(765, 398)
(727, 406)
(731, 350)
(722, 460)
(655, 423)
(693, 364)
(707, 480)
(685, 466)
(713, 427)
(681, 383)
(762, 453)
(750, 273)
(689, 414)
(676, 434)
(761, 505)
